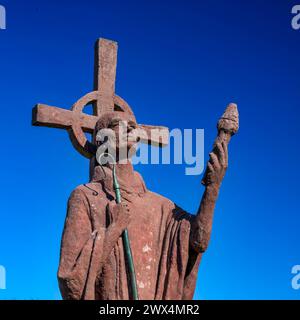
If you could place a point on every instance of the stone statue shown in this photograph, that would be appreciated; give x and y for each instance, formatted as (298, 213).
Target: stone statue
(166, 242)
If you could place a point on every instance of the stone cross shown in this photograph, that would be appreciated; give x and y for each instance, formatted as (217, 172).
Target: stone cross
(103, 99)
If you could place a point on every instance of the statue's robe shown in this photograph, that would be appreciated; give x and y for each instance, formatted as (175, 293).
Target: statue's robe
(166, 266)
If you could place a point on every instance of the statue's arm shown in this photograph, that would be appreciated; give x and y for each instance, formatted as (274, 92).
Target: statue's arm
(201, 224)
(76, 247)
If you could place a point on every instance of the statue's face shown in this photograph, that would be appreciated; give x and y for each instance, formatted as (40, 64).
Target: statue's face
(124, 131)
(119, 134)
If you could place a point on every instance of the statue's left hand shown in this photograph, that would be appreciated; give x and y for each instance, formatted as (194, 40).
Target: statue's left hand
(217, 164)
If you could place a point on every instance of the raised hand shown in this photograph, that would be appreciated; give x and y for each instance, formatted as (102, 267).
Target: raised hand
(217, 164)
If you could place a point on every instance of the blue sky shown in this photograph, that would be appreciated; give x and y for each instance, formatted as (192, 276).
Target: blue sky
(179, 64)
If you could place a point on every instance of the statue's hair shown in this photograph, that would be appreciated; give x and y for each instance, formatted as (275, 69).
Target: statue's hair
(104, 120)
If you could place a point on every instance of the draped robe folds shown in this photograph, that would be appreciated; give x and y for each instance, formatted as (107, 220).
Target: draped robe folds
(166, 266)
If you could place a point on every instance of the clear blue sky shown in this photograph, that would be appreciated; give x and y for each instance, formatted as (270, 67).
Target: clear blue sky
(179, 64)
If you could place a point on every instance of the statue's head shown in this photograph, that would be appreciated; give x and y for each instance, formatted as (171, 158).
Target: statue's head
(116, 134)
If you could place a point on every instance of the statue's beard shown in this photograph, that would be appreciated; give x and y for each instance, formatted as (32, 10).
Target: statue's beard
(111, 153)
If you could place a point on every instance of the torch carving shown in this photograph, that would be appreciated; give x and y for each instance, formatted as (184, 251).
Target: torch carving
(227, 126)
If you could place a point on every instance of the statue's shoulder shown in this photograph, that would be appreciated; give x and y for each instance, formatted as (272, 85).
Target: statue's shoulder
(153, 196)
(87, 190)
(158, 198)
(166, 204)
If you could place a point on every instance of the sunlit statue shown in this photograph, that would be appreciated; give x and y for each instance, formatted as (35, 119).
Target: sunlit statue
(167, 243)
(120, 240)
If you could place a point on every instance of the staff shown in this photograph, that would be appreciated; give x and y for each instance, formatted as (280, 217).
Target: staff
(126, 243)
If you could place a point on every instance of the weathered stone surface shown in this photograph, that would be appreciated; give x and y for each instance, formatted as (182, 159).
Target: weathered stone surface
(92, 262)
(167, 243)
(227, 126)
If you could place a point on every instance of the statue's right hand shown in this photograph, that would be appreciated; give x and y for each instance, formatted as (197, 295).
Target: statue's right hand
(121, 214)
